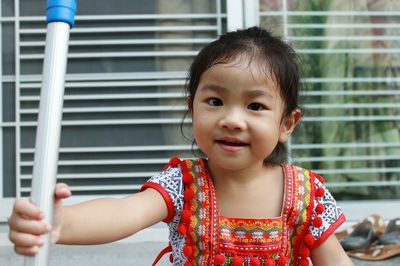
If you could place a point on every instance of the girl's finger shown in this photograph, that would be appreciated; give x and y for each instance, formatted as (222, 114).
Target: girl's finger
(29, 226)
(25, 240)
(25, 208)
(62, 191)
(27, 251)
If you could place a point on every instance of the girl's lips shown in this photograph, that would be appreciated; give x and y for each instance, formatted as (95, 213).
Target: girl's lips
(231, 144)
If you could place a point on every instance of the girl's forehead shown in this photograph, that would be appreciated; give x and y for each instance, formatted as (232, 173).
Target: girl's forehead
(250, 62)
(238, 80)
(242, 68)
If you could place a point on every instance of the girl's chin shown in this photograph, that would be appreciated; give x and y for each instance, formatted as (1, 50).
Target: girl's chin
(228, 164)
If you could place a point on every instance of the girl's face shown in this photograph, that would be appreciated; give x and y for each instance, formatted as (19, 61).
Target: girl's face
(237, 116)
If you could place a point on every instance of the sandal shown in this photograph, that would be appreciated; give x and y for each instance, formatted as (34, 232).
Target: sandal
(392, 233)
(388, 244)
(363, 234)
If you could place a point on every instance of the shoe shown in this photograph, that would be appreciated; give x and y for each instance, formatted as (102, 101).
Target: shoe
(363, 233)
(361, 237)
(391, 236)
(387, 246)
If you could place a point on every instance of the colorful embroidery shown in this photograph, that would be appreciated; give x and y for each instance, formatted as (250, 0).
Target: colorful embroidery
(301, 212)
(170, 181)
(200, 207)
(256, 236)
(202, 237)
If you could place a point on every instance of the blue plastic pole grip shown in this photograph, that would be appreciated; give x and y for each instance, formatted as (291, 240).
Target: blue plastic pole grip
(61, 10)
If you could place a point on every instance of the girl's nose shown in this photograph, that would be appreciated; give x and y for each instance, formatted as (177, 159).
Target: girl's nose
(233, 120)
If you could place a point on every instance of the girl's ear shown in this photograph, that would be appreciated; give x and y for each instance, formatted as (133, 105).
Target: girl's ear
(289, 124)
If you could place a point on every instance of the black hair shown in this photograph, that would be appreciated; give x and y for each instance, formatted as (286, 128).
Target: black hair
(278, 60)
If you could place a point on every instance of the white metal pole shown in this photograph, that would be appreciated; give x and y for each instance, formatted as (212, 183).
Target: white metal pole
(60, 18)
(251, 13)
(234, 13)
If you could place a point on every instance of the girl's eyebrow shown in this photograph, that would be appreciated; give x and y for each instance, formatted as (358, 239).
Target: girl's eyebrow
(259, 93)
(250, 94)
(213, 88)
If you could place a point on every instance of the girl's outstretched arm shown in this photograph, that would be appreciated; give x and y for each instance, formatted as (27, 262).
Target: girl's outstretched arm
(92, 222)
(105, 220)
(330, 252)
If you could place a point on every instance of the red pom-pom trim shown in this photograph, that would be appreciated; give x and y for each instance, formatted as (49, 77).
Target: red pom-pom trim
(186, 214)
(219, 259)
(187, 250)
(165, 167)
(181, 229)
(237, 261)
(317, 222)
(269, 262)
(317, 176)
(282, 261)
(321, 179)
(174, 161)
(309, 240)
(171, 258)
(304, 262)
(320, 192)
(188, 263)
(320, 208)
(304, 252)
(188, 195)
(255, 262)
(187, 179)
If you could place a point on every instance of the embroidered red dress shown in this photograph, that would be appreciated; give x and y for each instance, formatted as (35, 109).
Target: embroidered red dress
(200, 236)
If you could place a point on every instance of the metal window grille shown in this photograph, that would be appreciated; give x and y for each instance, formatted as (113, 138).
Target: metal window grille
(124, 101)
(350, 131)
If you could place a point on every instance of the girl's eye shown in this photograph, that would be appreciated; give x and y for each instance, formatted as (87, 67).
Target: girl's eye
(256, 107)
(214, 102)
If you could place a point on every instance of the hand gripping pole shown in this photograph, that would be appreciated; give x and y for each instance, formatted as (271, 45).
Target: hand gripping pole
(60, 19)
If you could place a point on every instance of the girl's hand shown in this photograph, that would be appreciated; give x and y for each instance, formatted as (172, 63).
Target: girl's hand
(27, 225)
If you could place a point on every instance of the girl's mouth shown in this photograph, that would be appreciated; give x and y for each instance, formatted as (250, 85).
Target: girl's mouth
(231, 144)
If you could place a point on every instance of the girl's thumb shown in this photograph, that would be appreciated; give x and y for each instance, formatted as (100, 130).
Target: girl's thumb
(62, 191)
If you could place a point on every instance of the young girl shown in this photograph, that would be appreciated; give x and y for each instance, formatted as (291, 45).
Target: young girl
(241, 204)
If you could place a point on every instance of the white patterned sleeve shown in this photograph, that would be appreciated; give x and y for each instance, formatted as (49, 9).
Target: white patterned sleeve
(169, 184)
(327, 216)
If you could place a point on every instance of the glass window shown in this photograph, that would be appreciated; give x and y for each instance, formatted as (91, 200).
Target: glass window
(123, 101)
(350, 58)
(127, 65)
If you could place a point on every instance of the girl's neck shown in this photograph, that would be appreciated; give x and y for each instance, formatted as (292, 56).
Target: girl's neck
(243, 193)
(241, 178)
